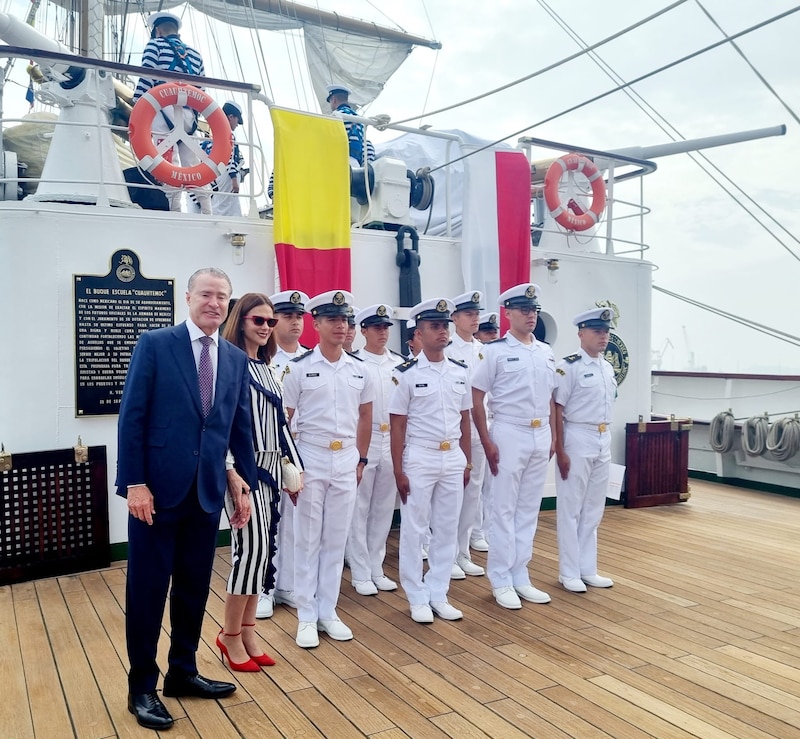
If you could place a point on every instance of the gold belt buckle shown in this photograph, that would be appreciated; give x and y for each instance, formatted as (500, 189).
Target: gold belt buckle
(444, 446)
(536, 423)
(335, 445)
(384, 427)
(602, 428)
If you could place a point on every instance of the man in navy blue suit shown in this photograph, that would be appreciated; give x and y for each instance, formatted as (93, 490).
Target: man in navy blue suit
(186, 401)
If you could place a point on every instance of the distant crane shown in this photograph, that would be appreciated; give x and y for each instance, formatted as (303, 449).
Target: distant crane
(658, 356)
(691, 367)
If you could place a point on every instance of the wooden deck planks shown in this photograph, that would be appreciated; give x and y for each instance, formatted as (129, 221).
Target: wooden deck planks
(699, 638)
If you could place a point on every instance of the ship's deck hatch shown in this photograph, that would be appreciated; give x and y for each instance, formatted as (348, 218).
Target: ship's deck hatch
(53, 515)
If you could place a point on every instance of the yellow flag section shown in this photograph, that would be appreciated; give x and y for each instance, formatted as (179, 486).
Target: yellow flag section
(312, 202)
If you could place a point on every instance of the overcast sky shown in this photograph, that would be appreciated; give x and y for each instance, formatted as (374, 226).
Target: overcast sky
(703, 244)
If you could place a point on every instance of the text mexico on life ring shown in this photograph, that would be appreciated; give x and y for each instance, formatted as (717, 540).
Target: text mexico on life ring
(181, 95)
(561, 213)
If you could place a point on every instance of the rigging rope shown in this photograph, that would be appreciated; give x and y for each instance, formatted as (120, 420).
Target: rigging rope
(723, 428)
(632, 82)
(699, 158)
(783, 440)
(754, 435)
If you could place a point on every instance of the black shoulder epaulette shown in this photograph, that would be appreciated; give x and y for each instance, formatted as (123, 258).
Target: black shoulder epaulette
(459, 363)
(406, 365)
(353, 355)
(302, 356)
(572, 358)
(397, 354)
(495, 341)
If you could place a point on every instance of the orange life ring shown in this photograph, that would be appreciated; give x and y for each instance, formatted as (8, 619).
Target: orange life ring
(563, 215)
(140, 132)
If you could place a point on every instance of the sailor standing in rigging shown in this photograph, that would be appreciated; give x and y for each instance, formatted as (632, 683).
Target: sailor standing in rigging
(331, 395)
(468, 350)
(372, 517)
(289, 309)
(585, 393)
(431, 450)
(165, 51)
(518, 372)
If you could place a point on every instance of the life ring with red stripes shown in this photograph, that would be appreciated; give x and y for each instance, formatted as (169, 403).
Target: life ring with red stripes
(140, 133)
(562, 214)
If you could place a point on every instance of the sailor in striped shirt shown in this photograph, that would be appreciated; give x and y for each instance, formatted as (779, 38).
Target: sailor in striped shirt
(165, 51)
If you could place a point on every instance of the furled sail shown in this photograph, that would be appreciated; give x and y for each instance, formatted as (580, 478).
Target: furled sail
(358, 54)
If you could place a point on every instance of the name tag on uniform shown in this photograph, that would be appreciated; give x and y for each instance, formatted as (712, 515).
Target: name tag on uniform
(590, 374)
(512, 359)
(312, 374)
(359, 377)
(421, 384)
(460, 382)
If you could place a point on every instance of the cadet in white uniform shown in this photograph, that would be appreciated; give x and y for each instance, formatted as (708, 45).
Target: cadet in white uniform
(289, 310)
(488, 327)
(585, 393)
(430, 432)
(330, 393)
(519, 374)
(372, 517)
(468, 350)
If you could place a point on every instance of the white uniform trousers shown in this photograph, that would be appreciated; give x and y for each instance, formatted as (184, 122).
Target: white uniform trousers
(437, 487)
(224, 202)
(374, 509)
(284, 557)
(471, 516)
(581, 499)
(517, 491)
(321, 522)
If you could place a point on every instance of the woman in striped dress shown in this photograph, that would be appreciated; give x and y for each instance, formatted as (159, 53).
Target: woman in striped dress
(250, 328)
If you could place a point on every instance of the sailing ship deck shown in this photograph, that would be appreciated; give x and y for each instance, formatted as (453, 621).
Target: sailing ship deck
(698, 638)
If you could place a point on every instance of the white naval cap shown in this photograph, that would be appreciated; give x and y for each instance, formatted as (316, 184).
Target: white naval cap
(521, 296)
(232, 108)
(289, 301)
(337, 88)
(594, 318)
(469, 300)
(330, 303)
(488, 322)
(435, 309)
(351, 315)
(155, 19)
(375, 315)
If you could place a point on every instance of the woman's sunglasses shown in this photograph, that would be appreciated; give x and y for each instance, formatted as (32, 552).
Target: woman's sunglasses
(260, 320)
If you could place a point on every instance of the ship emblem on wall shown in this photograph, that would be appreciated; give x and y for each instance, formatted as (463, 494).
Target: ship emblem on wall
(617, 356)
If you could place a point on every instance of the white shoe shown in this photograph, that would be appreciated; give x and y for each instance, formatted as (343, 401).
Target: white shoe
(444, 610)
(365, 587)
(479, 545)
(532, 594)
(456, 573)
(284, 596)
(307, 636)
(422, 614)
(265, 606)
(384, 583)
(424, 552)
(598, 581)
(507, 597)
(468, 566)
(573, 584)
(335, 629)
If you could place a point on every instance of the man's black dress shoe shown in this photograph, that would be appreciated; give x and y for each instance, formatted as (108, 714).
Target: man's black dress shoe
(150, 712)
(196, 686)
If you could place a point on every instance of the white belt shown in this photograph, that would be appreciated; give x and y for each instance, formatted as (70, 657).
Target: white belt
(599, 427)
(440, 446)
(326, 441)
(382, 427)
(533, 423)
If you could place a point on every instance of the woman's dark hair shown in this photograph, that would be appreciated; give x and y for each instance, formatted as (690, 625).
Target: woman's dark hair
(234, 326)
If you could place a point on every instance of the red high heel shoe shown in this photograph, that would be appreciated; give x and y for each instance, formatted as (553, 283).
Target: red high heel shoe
(249, 666)
(264, 660)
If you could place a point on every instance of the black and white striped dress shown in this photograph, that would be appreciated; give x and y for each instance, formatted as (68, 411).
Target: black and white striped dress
(253, 547)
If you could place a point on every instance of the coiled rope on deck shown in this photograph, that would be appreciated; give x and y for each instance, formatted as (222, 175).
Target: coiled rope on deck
(723, 428)
(754, 435)
(783, 440)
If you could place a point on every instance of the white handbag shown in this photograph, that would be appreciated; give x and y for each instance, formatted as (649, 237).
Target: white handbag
(292, 480)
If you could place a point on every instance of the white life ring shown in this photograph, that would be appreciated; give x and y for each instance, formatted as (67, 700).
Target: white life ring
(561, 213)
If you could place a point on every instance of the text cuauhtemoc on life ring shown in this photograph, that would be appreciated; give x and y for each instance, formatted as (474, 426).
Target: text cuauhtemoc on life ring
(552, 197)
(179, 94)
